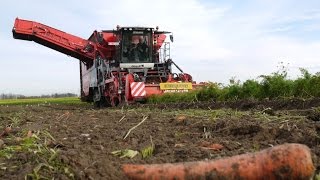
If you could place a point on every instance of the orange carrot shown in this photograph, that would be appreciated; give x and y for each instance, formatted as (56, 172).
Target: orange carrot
(215, 147)
(288, 161)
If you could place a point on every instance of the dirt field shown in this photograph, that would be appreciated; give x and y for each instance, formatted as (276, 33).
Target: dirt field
(84, 137)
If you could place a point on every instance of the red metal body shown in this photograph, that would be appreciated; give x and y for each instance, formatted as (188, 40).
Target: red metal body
(112, 69)
(63, 42)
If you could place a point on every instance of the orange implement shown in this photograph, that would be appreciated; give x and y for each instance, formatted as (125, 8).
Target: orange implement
(288, 161)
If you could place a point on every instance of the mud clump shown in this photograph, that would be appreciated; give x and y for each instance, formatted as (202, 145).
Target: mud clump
(314, 116)
(245, 130)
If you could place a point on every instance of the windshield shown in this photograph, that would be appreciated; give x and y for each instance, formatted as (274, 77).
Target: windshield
(136, 46)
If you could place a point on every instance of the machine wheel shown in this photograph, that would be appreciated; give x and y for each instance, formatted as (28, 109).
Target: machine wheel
(96, 98)
(97, 104)
(113, 97)
(104, 102)
(100, 101)
(114, 101)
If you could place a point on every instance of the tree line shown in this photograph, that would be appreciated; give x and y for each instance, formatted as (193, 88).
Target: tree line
(19, 96)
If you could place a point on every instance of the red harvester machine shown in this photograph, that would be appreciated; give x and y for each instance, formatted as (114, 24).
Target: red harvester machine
(127, 64)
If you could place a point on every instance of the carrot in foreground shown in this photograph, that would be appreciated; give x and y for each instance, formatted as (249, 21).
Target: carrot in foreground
(288, 161)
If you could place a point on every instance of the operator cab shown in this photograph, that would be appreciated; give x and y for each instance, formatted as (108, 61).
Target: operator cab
(136, 45)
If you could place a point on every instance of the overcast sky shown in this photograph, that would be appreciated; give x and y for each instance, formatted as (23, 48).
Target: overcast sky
(214, 40)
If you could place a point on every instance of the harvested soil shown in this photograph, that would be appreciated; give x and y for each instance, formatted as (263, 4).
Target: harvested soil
(87, 136)
(276, 104)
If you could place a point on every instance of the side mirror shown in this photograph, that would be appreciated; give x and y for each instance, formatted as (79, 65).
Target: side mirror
(171, 37)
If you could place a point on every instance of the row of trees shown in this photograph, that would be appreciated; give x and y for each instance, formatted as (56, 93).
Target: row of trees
(19, 96)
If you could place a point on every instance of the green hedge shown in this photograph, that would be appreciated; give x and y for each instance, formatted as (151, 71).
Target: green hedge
(273, 86)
